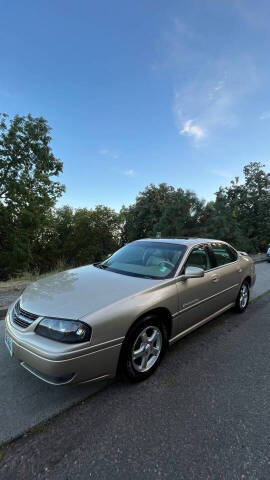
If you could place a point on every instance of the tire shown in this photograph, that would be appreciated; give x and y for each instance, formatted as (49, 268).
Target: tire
(243, 298)
(143, 348)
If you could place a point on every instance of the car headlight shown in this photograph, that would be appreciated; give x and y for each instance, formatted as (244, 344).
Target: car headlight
(68, 331)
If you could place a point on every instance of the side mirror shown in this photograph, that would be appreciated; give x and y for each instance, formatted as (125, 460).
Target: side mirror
(192, 272)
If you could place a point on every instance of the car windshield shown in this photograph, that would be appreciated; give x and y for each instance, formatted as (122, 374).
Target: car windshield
(157, 260)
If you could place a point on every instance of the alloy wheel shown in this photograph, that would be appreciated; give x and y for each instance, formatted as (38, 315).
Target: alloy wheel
(146, 349)
(243, 299)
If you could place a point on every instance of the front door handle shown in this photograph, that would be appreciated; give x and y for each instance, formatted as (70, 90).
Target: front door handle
(215, 278)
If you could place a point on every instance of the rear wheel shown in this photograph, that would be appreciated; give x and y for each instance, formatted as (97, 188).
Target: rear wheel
(243, 297)
(143, 348)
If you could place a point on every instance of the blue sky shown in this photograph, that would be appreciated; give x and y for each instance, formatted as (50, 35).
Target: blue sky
(141, 91)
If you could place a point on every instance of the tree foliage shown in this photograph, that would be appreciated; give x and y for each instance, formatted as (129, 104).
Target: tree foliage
(27, 191)
(140, 219)
(77, 237)
(240, 213)
(242, 210)
(34, 235)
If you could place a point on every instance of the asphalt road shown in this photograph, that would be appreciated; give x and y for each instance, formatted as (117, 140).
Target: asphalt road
(25, 401)
(263, 279)
(203, 415)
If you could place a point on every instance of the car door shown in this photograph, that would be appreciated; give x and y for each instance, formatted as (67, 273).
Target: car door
(196, 295)
(228, 273)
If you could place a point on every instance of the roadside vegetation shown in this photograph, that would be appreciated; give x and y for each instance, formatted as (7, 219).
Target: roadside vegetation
(37, 237)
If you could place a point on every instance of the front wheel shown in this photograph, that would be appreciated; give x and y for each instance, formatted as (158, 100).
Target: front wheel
(143, 348)
(243, 297)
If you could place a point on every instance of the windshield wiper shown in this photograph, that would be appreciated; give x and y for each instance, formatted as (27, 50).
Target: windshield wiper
(100, 265)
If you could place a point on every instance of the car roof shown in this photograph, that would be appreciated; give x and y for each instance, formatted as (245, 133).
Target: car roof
(189, 241)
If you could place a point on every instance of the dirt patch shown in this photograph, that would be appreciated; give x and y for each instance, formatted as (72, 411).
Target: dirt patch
(9, 293)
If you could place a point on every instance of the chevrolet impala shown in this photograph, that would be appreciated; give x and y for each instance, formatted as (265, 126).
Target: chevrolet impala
(121, 314)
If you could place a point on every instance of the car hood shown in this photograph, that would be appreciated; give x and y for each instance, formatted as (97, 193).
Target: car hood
(80, 291)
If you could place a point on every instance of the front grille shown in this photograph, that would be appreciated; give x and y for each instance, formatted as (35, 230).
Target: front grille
(21, 317)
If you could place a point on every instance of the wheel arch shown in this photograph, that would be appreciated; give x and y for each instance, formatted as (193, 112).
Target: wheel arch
(247, 279)
(162, 312)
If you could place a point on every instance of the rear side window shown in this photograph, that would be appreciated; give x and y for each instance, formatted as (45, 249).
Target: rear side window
(223, 254)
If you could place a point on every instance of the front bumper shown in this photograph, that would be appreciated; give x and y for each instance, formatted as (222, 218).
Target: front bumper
(78, 367)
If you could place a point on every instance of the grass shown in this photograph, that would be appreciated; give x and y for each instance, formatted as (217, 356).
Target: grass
(20, 280)
(23, 279)
(39, 428)
(3, 449)
(260, 296)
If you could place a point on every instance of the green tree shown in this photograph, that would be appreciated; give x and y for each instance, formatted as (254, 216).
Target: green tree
(77, 237)
(27, 191)
(139, 220)
(240, 213)
(246, 208)
(181, 215)
(219, 221)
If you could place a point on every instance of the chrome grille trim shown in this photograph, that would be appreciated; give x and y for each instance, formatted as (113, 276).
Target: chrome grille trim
(22, 317)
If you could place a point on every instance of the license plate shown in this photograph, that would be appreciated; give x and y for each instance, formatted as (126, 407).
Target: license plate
(8, 342)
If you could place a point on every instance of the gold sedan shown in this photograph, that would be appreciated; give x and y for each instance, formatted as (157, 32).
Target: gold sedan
(87, 323)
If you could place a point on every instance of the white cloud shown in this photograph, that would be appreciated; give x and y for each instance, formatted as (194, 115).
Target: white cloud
(265, 116)
(212, 101)
(209, 90)
(203, 107)
(189, 128)
(129, 173)
(219, 85)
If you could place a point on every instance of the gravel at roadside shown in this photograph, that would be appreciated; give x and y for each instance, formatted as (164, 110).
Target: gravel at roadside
(8, 294)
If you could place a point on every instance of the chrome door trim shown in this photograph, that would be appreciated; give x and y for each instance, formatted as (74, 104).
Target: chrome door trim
(199, 324)
(204, 300)
(208, 244)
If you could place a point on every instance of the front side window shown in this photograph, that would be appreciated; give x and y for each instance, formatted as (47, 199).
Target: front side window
(223, 254)
(157, 260)
(200, 258)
